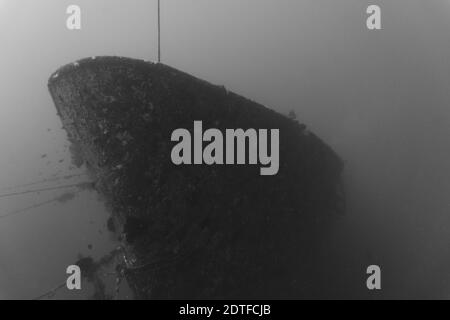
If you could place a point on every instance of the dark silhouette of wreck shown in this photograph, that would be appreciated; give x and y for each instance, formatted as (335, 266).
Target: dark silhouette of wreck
(197, 231)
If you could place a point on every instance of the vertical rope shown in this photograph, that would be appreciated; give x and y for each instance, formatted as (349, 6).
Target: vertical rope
(159, 31)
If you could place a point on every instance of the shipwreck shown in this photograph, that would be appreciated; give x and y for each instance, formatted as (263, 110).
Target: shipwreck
(197, 232)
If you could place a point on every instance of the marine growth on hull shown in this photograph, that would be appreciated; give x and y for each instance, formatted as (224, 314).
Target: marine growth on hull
(201, 230)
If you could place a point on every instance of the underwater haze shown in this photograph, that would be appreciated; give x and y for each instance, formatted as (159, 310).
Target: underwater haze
(380, 99)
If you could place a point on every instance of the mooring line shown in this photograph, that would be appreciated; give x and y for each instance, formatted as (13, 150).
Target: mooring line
(68, 186)
(45, 181)
(51, 292)
(37, 205)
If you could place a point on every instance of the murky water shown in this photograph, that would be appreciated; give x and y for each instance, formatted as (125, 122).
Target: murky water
(380, 99)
